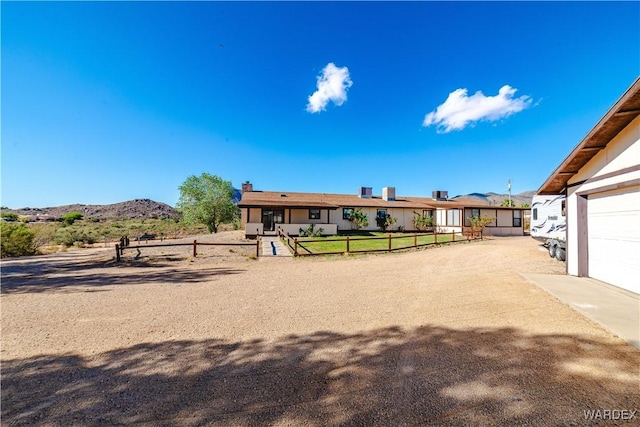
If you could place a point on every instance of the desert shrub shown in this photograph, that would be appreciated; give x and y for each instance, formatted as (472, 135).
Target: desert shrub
(310, 231)
(422, 221)
(9, 216)
(385, 221)
(480, 222)
(16, 240)
(359, 219)
(71, 217)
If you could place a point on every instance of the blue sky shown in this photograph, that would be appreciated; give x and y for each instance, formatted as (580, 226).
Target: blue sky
(104, 102)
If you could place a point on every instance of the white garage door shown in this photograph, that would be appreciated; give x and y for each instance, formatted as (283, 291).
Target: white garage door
(614, 237)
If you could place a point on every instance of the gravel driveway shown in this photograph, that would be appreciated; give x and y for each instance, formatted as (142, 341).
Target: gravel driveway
(443, 336)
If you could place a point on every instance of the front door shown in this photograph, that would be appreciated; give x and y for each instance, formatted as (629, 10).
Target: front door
(271, 217)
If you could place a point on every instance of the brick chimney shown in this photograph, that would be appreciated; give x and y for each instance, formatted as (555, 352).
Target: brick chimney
(247, 187)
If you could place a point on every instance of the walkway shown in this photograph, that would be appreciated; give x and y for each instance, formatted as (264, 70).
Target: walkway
(616, 309)
(273, 247)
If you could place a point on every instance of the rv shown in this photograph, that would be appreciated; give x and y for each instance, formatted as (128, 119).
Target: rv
(549, 224)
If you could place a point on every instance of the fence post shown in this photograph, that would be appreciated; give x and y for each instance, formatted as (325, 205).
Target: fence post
(453, 236)
(435, 237)
(195, 253)
(415, 240)
(295, 250)
(117, 253)
(258, 247)
(348, 249)
(389, 242)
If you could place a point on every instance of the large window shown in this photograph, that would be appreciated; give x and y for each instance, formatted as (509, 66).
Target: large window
(475, 213)
(535, 214)
(346, 213)
(453, 217)
(314, 213)
(517, 218)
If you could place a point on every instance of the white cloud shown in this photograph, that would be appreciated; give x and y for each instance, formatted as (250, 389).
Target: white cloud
(333, 83)
(460, 110)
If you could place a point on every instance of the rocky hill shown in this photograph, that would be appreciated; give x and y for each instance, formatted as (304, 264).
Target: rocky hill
(138, 208)
(494, 199)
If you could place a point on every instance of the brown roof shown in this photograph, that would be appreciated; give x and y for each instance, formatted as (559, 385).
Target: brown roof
(617, 118)
(334, 201)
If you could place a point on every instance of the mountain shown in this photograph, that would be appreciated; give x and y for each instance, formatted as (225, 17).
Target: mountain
(494, 199)
(138, 208)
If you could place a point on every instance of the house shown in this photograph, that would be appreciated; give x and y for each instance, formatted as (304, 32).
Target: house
(265, 211)
(601, 180)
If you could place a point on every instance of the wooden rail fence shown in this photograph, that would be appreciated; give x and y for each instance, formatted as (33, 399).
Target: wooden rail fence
(298, 245)
(121, 248)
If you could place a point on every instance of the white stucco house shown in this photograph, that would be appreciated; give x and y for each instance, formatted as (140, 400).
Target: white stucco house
(601, 179)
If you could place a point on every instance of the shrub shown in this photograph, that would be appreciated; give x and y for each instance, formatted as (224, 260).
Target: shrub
(385, 222)
(10, 216)
(358, 219)
(16, 240)
(480, 222)
(422, 221)
(71, 217)
(310, 231)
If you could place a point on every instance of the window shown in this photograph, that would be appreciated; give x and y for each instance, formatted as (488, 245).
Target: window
(453, 217)
(346, 213)
(564, 208)
(428, 214)
(517, 218)
(314, 213)
(382, 213)
(535, 214)
(475, 213)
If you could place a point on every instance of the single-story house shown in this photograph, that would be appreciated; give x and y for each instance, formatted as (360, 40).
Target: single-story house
(601, 180)
(264, 211)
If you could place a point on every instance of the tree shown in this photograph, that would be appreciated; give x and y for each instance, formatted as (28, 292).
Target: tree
(508, 203)
(525, 206)
(207, 199)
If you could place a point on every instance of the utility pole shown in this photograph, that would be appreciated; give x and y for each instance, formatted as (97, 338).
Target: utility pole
(509, 186)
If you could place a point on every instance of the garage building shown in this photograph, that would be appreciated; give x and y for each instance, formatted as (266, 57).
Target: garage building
(601, 179)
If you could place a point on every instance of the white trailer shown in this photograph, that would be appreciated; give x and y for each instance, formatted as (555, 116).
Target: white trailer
(549, 223)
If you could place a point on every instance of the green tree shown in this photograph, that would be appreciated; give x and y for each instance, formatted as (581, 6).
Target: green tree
(508, 203)
(525, 206)
(207, 199)
(16, 240)
(385, 222)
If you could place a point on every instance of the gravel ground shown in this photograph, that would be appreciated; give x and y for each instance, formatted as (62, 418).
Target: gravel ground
(442, 336)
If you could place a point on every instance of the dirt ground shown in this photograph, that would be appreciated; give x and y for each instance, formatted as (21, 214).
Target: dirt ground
(443, 336)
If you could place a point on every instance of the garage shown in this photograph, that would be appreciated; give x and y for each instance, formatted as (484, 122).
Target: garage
(613, 229)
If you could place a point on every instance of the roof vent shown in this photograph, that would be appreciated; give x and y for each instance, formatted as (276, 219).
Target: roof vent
(440, 195)
(365, 192)
(389, 193)
(283, 195)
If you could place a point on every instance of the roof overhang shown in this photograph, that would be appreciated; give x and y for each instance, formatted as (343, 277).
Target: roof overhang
(623, 112)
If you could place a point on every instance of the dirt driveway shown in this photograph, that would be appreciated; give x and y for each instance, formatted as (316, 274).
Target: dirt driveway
(444, 336)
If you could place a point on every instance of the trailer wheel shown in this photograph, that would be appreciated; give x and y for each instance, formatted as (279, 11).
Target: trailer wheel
(560, 254)
(552, 250)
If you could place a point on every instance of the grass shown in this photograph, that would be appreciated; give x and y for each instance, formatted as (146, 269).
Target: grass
(376, 242)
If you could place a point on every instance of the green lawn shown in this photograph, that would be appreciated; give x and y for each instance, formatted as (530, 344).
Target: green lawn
(376, 242)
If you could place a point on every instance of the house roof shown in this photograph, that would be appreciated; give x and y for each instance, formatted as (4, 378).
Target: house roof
(289, 199)
(623, 112)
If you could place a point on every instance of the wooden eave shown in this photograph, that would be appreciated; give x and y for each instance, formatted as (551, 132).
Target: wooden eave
(623, 112)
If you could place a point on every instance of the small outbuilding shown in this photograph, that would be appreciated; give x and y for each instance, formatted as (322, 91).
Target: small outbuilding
(601, 180)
